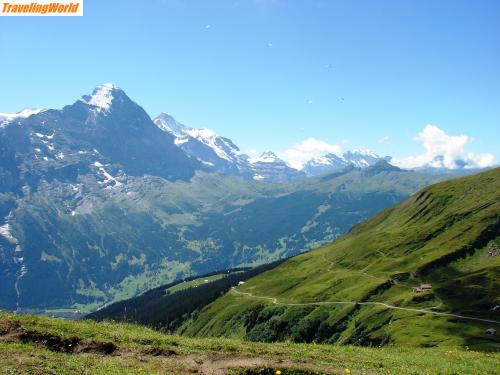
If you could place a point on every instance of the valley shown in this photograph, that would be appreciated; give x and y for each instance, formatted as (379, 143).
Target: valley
(101, 203)
(423, 273)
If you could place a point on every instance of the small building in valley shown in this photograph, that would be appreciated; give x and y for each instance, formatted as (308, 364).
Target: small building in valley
(425, 286)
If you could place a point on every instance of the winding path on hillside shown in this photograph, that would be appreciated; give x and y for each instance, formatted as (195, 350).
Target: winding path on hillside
(424, 311)
(395, 282)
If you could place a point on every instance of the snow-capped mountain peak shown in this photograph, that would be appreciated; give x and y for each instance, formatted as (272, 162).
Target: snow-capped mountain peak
(101, 97)
(265, 157)
(204, 144)
(328, 159)
(170, 125)
(360, 158)
(365, 152)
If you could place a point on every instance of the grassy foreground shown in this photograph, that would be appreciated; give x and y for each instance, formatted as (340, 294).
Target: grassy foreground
(42, 345)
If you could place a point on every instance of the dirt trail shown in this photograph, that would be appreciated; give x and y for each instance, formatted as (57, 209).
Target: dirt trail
(423, 311)
(217, 363)
(220, 364)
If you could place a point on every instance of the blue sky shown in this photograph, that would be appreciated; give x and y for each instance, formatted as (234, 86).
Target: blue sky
(272, 74)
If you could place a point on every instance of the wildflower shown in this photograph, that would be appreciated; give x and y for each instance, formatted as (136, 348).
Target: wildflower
(347, 371)
(278, 372)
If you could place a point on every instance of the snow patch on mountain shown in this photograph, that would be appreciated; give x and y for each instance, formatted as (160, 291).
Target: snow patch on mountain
(265, 157)
(180, 141)
(101, 97)
(222, 147)
(107, 177)
(170, 125)
(43, 136)
(5, 233)
(361, 158)
(6, 118)
(203, 133)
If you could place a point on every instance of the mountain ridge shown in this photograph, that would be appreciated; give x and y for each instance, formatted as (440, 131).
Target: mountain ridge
(97, 203)
(219, 154)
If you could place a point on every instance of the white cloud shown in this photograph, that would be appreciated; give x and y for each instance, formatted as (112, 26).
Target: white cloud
(443, 150)
(308, 149)
(384, 140)
(482, 160)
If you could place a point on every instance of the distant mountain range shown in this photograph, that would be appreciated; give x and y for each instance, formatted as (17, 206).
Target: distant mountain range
(99, 202)
(221, 155)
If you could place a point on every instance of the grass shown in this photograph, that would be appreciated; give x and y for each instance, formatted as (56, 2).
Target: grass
(196, 282)
(137, 351)
(440, 235)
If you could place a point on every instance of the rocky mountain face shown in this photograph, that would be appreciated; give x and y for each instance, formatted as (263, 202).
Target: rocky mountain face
(53, 165)
(105, 127)
(98, 203)
(216, 153)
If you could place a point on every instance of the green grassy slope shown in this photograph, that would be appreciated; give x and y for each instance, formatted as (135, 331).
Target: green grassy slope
(41, 345)
(447, 235)
(167, 307)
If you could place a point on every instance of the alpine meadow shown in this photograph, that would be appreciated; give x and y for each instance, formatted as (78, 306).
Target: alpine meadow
(259, 187)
